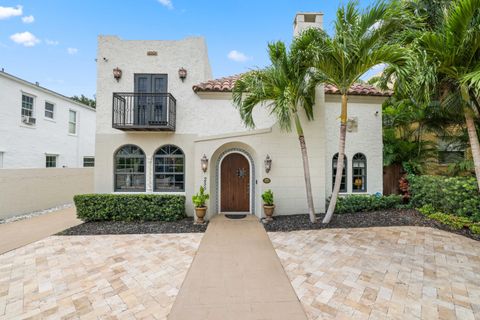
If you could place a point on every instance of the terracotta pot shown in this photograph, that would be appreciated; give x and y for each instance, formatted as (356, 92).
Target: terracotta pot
(268, 210)
(200, 213)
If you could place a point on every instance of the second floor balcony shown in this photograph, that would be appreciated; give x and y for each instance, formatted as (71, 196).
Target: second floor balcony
(134, 111)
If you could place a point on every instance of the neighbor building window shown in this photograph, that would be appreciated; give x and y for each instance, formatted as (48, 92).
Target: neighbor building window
(72, 122)
(51, 161)
(130, 169)
(343, 185)
(359, 173)
(49, 110)
(27, 106)
(88, 162)
(450, 152)
(169, 175)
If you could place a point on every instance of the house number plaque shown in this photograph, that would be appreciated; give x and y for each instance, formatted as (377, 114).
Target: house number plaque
(266, 180)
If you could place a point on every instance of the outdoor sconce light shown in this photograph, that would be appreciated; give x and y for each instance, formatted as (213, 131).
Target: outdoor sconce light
(117, 73)
(182, 73)
(268, 164)
(204, 162)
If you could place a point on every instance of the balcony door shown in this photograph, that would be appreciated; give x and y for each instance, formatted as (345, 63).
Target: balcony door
(151, 99)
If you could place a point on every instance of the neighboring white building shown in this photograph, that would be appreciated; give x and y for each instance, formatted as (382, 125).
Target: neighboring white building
(40, 128)
(153, 129)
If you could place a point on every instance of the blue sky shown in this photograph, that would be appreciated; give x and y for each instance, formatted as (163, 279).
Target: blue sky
(54, 41)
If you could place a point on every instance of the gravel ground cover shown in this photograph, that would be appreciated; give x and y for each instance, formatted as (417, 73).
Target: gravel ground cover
(122, 227)
(387, 218)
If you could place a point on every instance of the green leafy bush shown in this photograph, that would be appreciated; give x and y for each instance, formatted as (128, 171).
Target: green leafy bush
(200, 198)
(129, 207)
(456, 195)
(267, 198)
(455, 222)
(363, 203)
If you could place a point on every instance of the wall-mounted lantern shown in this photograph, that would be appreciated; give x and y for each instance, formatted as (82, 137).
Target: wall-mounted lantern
(182, 73)
(117, 73)
(268, 164)
(204, 163)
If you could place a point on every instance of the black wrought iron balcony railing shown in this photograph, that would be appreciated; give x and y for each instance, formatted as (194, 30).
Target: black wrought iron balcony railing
(134, 111)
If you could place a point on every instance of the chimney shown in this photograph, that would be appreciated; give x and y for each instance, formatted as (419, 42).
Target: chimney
(305, 20)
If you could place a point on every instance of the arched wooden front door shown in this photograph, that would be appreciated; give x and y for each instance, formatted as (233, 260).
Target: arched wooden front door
(235, 183)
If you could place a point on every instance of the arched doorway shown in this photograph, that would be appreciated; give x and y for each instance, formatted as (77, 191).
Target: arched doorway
(235, 183)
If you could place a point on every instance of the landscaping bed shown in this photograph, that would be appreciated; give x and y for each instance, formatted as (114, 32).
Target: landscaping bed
(134, 227)
(381, 218)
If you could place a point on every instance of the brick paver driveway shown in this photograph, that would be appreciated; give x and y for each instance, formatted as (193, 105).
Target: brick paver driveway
(90, 277)
(382, 273)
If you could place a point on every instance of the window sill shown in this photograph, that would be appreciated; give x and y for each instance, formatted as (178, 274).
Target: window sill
(49, 119)
(27, 126)
(73, 135)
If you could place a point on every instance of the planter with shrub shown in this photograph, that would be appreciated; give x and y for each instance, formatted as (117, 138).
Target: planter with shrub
(268, 204)
(199, 201)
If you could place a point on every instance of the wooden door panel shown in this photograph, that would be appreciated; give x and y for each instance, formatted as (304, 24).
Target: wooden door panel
(235, 183)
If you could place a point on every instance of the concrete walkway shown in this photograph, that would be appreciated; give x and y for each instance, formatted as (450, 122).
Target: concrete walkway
(19, 233)
(236, 274)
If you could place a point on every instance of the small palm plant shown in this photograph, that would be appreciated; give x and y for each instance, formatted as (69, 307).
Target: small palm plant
(287, 90)
(199, 201)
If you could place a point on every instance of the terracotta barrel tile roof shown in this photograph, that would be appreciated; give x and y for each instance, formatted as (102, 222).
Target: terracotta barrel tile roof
(226, 84)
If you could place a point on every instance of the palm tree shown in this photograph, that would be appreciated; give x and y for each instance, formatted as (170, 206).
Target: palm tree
(454, 49)
(361, 41)
(285, 88)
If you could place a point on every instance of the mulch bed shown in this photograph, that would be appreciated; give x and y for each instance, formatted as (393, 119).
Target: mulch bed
(387, 218)
(121, 227)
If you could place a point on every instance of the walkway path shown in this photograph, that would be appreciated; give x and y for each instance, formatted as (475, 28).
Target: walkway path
(19, 233)
(236, 274)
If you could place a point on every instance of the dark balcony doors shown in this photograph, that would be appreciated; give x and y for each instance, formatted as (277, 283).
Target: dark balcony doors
(151, 109)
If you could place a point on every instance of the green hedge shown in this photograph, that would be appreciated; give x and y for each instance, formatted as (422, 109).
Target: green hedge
(457, 196)
(363, 203)
(454, 222)
(129, 207)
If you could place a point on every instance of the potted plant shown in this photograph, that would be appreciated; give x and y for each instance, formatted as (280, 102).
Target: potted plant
(199, 202)
(268, 206)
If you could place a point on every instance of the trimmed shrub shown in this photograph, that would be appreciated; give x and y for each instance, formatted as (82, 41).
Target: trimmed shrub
(458, 195)
(129, 207)
(364, 203)
(454, 222)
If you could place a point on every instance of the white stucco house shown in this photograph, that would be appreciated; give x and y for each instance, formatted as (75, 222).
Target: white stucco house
(155, 125)
(40, 128)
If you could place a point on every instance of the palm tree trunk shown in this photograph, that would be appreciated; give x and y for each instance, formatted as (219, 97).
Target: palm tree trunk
(474, 144)
(340, 161)
(306, 169)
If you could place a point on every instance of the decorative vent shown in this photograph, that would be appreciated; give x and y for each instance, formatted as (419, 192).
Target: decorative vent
(152, 53)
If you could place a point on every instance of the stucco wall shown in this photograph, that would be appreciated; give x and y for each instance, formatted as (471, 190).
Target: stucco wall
(367, 139)
(25, 146)
(209, 124)
(28, 190)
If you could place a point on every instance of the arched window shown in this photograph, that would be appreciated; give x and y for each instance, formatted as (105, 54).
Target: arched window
(359, 174)
(343, 185)
(130, 169)
(169, 175)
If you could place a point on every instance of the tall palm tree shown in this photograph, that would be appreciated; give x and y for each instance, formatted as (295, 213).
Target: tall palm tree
(285, 88)
(454, 49)
(362, 40)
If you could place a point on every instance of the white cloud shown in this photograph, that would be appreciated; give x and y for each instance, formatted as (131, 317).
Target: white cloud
(8, 12)
(72, 50)
(51, 42)
(25, 38)
(28, 19)
(166, 3)
(237, 56)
